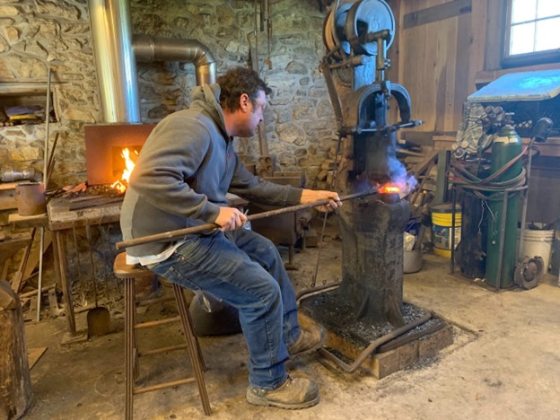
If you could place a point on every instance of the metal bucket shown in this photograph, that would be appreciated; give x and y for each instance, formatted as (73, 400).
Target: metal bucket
(30, 198)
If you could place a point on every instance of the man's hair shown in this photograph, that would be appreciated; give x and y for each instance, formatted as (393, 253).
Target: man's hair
(237, 81)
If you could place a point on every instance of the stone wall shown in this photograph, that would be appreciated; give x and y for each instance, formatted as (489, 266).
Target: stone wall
(300, 127)
(34, 34)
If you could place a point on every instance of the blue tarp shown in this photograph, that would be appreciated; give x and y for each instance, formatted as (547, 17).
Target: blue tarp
(526, 86)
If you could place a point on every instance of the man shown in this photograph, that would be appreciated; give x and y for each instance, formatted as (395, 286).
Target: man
(181, 178)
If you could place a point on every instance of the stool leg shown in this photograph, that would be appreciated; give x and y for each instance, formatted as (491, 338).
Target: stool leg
(132, 314)
(129, 345)
(194, 351)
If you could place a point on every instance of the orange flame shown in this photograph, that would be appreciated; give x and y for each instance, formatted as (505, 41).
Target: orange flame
(121, 184)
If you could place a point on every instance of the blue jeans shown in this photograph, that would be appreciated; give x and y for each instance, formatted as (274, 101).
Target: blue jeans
(245, 270)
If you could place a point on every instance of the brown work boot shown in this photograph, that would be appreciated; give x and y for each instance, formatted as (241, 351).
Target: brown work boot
(293, 394)
(310, 339)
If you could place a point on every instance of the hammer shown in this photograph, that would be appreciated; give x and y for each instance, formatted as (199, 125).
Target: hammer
(165, 236)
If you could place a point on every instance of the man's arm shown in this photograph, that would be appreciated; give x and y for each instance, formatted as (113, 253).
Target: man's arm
(258, 190)
(309, 196)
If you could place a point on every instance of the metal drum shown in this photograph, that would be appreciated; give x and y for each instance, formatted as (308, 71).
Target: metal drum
(30, 198)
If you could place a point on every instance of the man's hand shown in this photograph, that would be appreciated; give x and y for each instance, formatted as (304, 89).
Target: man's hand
(309, 196)
(230, 218)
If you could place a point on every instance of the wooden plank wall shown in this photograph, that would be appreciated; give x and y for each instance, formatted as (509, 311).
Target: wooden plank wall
(440, 50)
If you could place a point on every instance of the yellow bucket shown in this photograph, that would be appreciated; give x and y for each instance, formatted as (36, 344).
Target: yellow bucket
(442, 219)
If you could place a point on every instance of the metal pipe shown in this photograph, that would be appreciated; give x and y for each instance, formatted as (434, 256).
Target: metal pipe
(148, 49)
(114, 60)
(165, 236)
(115, 53)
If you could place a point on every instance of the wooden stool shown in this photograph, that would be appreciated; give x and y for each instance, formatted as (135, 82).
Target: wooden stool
(130, 273)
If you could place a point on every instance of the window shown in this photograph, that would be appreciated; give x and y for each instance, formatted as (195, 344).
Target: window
(532, 32)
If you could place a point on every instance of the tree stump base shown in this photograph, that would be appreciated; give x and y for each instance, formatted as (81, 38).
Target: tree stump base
(16, 395)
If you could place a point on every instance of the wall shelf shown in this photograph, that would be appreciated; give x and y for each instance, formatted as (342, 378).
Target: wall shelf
(27, 95)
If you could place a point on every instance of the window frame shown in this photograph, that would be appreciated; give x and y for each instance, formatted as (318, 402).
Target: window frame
(527, 59)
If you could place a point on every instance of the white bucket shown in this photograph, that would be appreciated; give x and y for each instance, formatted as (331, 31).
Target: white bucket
(537, 243)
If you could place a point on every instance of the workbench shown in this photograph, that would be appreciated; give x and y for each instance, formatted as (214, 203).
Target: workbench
(63, 220)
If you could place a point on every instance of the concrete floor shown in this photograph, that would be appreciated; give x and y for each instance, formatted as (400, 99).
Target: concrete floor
(504, 363)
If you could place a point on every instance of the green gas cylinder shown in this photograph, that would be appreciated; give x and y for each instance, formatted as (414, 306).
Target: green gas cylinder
(505, 147)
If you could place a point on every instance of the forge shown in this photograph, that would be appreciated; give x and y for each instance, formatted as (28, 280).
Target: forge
(365, 313)
(104, 146)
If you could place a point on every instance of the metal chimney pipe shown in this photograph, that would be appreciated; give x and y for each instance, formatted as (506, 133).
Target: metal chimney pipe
(114, 60)
(148, 49)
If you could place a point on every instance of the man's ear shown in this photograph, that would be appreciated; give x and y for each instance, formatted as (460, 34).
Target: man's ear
(244, 102)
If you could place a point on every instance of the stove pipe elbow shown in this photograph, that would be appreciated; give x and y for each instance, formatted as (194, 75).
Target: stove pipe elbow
(148, 49)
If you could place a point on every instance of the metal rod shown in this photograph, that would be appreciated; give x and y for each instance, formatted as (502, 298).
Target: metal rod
(40, 280)
(79, 264)
(92, 263)
(322, 236)
(369, 350)
(502, 239)
(453, 211)
(45, 166)
(164, 236)
(50, 165)
(307, 293)
(47, 121)
(525, 202)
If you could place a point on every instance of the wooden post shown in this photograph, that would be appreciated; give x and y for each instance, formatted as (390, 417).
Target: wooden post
(16, 395)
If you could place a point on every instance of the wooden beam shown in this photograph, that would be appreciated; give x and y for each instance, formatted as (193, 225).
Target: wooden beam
(493, 41)
(436, 13)
(15, 381)
(479, 33)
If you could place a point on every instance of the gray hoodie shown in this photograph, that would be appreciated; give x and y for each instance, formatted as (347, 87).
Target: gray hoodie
(184, 171)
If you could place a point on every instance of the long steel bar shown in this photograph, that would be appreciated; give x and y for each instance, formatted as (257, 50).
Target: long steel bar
(164, 236)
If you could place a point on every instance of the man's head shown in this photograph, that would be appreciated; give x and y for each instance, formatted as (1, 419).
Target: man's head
(243, 99)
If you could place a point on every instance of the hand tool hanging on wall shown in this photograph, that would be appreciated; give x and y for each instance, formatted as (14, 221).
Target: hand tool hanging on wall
(164, 236)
